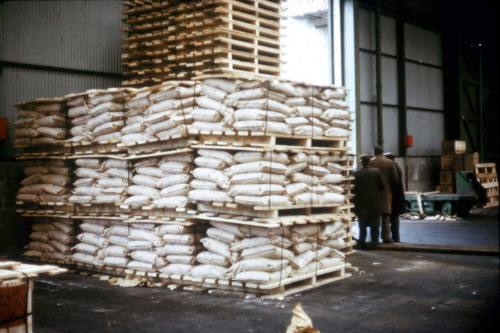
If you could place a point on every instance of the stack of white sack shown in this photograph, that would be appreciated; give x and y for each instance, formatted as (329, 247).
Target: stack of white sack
(92, 240)
(271, 106)
(40, 122)
(266, 178)
(46, 181)
(315, 179)
(51, 239)
(210, 183)
(162, 182)
(242, 253)
(159, 112)
(101, 181)
(145, 248)
(96, 115)
(317, 246)
(180, 249)
(258, 178)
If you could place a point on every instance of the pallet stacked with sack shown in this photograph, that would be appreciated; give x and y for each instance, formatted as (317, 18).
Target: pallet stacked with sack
(41, 129)
(251, 175)
(270, 178)
(173, 40)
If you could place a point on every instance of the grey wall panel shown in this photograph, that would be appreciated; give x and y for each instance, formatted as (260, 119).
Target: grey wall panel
(423, 45)
(368, 83)
(424, 87)
(367, 32)
(368, 128)
(427, 129)
(18, 84)
(423, 173)
(391, 131)
(70, 34)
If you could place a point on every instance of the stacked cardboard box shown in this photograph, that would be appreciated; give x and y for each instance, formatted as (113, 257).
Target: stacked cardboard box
(454, 159)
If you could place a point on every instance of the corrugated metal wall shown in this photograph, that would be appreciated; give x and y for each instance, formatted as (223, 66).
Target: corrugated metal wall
(52, 48)
(69, 34)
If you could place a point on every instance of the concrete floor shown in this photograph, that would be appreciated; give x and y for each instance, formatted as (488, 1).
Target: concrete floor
(393, 291)
(480, 229)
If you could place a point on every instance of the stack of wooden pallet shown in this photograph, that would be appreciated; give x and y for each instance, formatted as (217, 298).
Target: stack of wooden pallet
(486, 175)
(225, 183)
(170, 39)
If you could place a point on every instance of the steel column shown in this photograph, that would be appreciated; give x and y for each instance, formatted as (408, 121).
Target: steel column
(378, 70)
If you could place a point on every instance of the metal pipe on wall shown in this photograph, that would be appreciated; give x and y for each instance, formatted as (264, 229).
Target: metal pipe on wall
(378, 75)
(401, 65)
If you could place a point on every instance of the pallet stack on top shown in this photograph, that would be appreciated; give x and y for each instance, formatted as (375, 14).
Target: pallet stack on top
(177, 40)
(217, 183)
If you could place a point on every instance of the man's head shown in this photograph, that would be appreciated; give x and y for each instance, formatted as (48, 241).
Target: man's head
(365, 159)
(390, 156)
(378, 150)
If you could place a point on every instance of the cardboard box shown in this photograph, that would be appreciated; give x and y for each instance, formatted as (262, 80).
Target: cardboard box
(447, 178)
(447, 162)
(466, 162)
(453, 147)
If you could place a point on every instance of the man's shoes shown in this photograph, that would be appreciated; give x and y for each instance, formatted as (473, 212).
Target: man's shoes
(373, 246)
(396, 241)
(388, 241)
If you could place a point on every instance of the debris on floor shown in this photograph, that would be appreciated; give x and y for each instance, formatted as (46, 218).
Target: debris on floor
(301, 323)
(437, 217)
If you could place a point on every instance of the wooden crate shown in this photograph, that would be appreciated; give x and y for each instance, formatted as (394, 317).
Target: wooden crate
(486, 175)
(453, 147)
(466, 162)
(447, 178)
(167, 39)
(16, 306)
(447, 162)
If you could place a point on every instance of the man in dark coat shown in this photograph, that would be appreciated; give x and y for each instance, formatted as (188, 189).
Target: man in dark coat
(389, 178)
(367, 204)
(398, 200)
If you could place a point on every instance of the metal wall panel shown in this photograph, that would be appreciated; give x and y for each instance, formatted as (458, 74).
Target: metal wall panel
(369, 129)
(82, 35)
(367, 32)
(424, 87)
(368, 81)
(427, 129)
(423, 45)
(19, 84)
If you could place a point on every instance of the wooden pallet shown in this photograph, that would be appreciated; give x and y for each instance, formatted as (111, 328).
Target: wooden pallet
(166, 40)
(45, 206)
(280, 289)
(486, 175)
(42, 150)
(269, 212)
(269, 223)
(155, 145)
(14, 270)
(87, 147)
(108, 270)
(231, 139)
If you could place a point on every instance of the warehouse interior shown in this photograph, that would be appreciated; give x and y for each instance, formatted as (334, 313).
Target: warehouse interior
(417, 73)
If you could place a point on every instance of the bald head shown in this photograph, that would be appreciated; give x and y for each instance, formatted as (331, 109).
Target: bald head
(378, 150)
